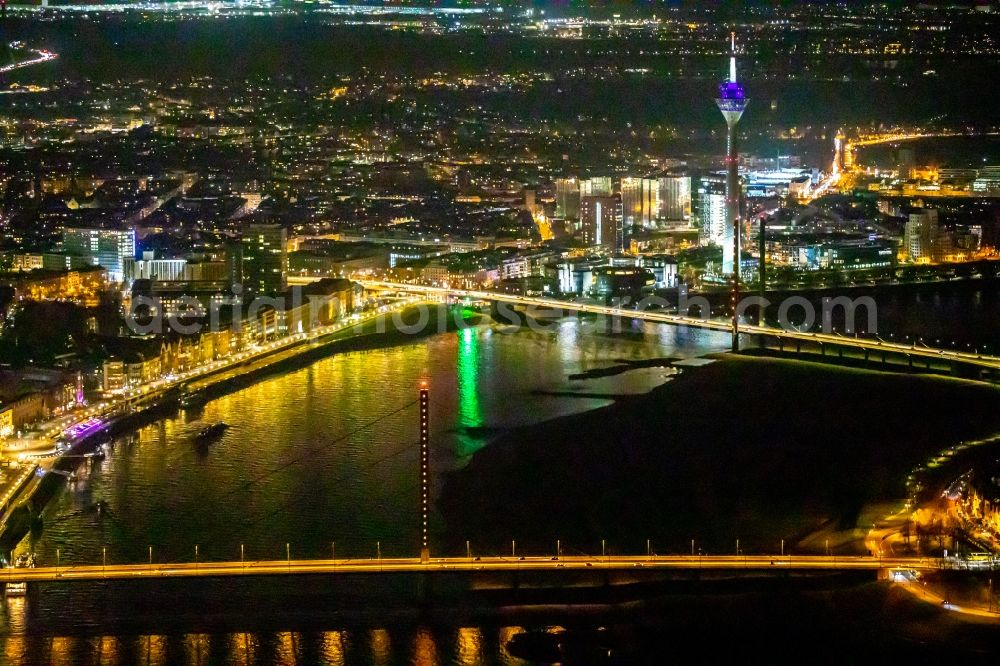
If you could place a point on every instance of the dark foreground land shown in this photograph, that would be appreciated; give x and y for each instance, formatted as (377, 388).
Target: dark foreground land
(745, 448)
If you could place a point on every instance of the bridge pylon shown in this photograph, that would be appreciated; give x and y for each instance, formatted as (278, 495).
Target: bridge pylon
(425, 473)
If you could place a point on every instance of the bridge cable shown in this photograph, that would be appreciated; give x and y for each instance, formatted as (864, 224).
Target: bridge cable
(370, 465)
(309, 452)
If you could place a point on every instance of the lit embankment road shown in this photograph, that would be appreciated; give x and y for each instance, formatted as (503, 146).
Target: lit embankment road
(40, 57)
(759, 563)
(551, 304)
(894, 137)
(269, 351)
(79, 424)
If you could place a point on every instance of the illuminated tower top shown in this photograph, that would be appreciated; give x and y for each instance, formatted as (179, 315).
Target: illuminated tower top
(732, 100)
(732, 57)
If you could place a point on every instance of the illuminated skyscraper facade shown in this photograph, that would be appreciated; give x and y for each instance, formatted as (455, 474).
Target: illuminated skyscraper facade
(109, 248)
(264, 259)
(921, 235)
(599, 186)
(640, 201)
(601, 221)
(567, 198)
(674, 200)
(712, 211)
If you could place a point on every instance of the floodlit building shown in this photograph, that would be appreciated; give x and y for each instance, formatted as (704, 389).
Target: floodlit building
(149, 268)
(640, 201)
(674, 199)
(601, 221)
(264, 259)
(108, 248)
(567, 198)
(921, 235)
(663, 268)
(711, 217)
(796, 183)
(600, 186)
(576, 276)
(987, 181)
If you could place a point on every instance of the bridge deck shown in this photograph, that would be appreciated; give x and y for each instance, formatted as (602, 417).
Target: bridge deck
(550, 304)
(464, 564)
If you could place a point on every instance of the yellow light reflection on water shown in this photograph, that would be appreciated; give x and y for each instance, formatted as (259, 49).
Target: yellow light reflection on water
(196, 646)
(380, 645)
(153, 650)
(107, 649)
(14, 612)
(470, 646)
(505, 634)
(334, 648)
(287, 648)
(13, 649)
(242, 649)
(61, 651)
(424, 648)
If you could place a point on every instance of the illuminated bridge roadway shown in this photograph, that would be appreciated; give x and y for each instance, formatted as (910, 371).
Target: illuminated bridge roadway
(757, 563)
(41, 56)
(865, 344)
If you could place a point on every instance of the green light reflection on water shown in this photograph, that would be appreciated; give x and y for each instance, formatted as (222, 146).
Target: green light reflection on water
(470, 413)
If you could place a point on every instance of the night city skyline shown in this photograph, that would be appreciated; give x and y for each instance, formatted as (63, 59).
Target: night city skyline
(499, 333)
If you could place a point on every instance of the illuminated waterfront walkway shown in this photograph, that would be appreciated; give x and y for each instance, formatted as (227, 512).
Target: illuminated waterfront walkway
(758, 563)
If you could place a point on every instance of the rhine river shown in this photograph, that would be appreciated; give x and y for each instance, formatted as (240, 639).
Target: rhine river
(327, 453)
(325, 457)
(318, 455)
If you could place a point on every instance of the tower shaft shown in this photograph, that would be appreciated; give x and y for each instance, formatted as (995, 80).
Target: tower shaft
(732, 103)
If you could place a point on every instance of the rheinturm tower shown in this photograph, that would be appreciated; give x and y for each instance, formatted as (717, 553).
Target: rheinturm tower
(732, 102)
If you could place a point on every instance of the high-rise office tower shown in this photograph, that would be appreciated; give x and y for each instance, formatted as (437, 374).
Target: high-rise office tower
(674, 199)
(600, 186)
(732, 102)
(712, 211)
(567, 198)
(264, 259)
(921, 234)
(906, 161)
(640, 201)
(601, 221)
(108, 248)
